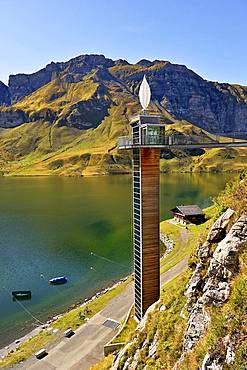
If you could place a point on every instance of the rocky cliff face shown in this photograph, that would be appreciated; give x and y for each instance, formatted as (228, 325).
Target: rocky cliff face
(212, 106)
(10, 118)
(184, 94)
(21, 85)
(211, 285)
(4, 94)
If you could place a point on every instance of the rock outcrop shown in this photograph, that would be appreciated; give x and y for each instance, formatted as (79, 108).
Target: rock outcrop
(130, 363)
(212, 361)
(10, 118)
(213, 286)
(21, 85)
(4, 94)
(216, 234)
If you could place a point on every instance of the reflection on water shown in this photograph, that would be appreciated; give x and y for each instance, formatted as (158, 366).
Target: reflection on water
(62, 226)
(178, 189)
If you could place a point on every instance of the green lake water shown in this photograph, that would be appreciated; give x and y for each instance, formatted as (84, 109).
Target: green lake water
(51, 226)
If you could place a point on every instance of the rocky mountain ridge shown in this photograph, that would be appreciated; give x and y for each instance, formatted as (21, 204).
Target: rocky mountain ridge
(53, 119)
(181, 92)
(22, 84)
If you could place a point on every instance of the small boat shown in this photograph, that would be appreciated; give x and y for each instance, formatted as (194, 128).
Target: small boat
(22, 294)
(58, 280)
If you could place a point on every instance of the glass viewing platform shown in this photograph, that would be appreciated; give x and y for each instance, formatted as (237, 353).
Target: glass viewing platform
(179, 141)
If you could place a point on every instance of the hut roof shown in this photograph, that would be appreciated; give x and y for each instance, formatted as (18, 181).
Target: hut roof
(190, 210)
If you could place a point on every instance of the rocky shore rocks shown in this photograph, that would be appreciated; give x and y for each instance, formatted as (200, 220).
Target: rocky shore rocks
(168, 242)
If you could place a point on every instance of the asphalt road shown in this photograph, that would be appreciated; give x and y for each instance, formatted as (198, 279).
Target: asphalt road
(85, 348)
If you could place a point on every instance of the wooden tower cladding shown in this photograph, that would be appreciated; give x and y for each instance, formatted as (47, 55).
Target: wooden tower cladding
(146, 132)
(150, 159)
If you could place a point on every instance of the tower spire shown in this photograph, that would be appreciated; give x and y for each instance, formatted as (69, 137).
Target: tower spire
(144, 94)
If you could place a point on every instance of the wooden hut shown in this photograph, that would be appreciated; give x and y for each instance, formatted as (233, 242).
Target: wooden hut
(188, 214)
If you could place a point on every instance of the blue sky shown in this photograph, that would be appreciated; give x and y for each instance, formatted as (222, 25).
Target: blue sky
(208, 36)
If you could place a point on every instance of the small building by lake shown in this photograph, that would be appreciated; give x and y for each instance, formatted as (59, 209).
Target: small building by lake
(188, 214)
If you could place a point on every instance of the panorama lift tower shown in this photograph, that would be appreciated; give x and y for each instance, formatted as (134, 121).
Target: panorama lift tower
(147, 139)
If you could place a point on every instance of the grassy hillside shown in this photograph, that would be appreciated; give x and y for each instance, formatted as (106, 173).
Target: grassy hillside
(58, 96)
(212, 160)
(42, 148)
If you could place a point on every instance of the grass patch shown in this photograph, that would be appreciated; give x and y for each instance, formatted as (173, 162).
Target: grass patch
(26, 349)
(213, 160)
(233, 196)
(174, 233)
(104, 364)
(126, 332)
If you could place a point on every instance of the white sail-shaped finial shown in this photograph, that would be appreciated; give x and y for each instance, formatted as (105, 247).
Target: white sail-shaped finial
(144, 93)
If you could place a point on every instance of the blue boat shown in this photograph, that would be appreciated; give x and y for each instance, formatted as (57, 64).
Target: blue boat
(58, 280)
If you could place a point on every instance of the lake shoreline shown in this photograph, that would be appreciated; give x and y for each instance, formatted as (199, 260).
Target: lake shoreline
(12, 346)
(100, 174)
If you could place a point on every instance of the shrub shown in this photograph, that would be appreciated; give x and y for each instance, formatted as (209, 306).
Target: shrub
(234, 196)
